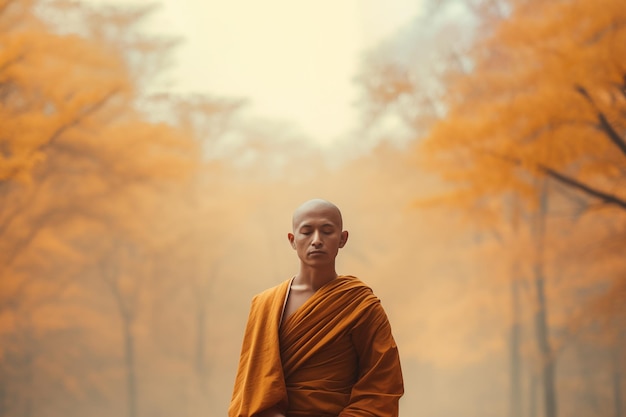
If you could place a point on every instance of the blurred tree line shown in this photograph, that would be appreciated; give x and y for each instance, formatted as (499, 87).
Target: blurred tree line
(523, 118)
(490, 219)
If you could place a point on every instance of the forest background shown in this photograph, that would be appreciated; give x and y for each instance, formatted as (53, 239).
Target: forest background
(489, 215)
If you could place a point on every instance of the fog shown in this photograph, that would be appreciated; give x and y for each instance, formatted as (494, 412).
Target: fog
(135, 228)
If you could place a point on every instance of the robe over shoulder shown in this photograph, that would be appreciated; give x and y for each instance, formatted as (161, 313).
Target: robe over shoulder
(334, 356)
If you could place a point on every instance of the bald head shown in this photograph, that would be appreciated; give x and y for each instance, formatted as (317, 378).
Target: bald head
(317, 205)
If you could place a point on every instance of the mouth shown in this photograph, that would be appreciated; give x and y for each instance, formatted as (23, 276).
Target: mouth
(316, 252)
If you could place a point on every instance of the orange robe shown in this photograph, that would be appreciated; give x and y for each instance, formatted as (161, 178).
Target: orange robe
(334, 357)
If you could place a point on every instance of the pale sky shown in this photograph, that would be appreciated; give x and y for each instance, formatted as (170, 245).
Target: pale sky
(293, 60)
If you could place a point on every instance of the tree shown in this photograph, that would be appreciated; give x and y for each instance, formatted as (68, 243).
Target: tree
(75, 155)
(538, 95)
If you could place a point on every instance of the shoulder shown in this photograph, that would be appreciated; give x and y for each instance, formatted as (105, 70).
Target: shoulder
(370, 304)
(270, 294)
(354, 285)
(352, 281)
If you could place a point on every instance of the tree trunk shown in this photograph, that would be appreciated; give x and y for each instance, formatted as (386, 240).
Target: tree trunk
(532, 401)
(589, 387)
(541, 321)
(127, 311)
(28, 403)
(545, 351)
(617, 383)
(4, 394)
(200, 339)
(515, 400)
(129, 361)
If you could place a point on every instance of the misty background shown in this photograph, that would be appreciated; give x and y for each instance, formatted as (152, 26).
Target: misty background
(478, 154)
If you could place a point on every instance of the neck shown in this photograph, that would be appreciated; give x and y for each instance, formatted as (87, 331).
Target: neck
(315, 278)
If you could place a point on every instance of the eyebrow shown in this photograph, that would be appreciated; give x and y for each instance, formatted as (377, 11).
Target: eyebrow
(323, 225)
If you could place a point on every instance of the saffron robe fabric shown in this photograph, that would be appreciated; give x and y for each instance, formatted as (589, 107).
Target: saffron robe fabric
(334, 356)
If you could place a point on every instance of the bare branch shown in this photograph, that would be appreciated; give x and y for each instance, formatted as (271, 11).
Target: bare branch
(606, 197)
(73, 123)
(111, 282)
(605, 125)
(79, 118)
(566, 180)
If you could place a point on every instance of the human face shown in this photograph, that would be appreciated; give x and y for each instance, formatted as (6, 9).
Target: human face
(317, 235)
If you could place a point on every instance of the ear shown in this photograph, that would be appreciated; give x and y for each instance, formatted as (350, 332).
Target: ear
(343, 239)
(291, 238)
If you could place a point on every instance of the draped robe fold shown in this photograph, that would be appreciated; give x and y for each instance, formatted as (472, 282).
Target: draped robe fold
(334, 356)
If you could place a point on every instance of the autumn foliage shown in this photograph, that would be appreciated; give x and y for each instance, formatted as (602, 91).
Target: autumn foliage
(135, 227)
(81, 174)
(527, 132)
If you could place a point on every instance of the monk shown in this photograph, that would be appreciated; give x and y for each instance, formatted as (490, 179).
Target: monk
(318, 344)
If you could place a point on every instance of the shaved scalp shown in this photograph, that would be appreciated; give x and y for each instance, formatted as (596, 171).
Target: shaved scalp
(314, 204)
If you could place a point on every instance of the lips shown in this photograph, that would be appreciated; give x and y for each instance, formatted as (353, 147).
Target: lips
(317, 252)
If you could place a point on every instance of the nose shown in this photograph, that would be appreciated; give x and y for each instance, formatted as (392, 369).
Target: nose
(317, 239)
